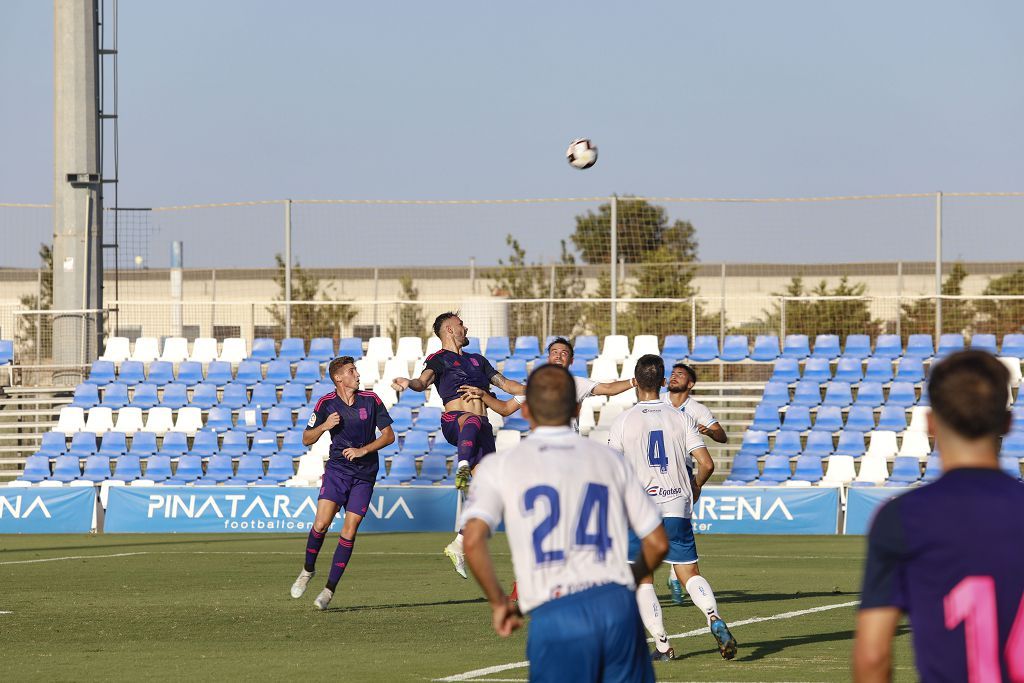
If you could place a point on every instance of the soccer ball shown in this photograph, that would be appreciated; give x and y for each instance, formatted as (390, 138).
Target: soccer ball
(582, 153)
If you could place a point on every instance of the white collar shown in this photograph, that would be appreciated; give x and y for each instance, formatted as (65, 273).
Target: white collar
(547, 431)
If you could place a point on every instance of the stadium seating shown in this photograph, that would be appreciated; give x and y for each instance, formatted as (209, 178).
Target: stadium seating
(115, 395)
(83, 444)
(204, 350)
(851, 443)
(828, 419)
(1013, 346)
(380, 349)
(415, 444)
(677, 347)
(807, 471)
(920, 346)
(158, 468)
(263, 350)
(127, 468)
(321, 350)
(807, 393)
(950, 343)
(101, 372)
(615, 348)
(205, 443)
(984, 342)
(878, 370)
(826, 346)
(797, 419)
(858, 346)
(235, 442)
(932, 468)
(893, 418)
(705, 349)
(219, 418)
(785, 370)
(292, 350)
(861, 418)
(52, 445)
(766, 348)
(71, 419)
(146, 350)
(817, 369)
(902, 394)
(1010, 465)
(143, 444)
(350, 346)
(113, 444)
(131, 372)
(882, 444)
(735, 348)
(175, 350)
(775, 394)
(116, 349)
(189, 420)
(776, 470)
(190, 468)
(174, 444)
(218, 469)
(818, 444)
(233, 351)
(645, 344)
(869, 394)
(66, 468)
(755, 443)
(873, 472)
(744, 470)
(604, 370)
(796, 346)
(264, 443)
(910, 370)
(787, 444)
(86, 396)
(838, 394)
(906, 471)
(526, 349)
(850, 370)
(888, 346)
(839, 472)
(403, 470)
(161, 372)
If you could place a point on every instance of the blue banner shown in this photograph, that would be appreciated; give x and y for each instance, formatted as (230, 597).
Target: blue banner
(861, 504)
(768, 510)
(161, 509)
(47, 510)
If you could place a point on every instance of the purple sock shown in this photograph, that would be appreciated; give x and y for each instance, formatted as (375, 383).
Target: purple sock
(342, 554)
(468, 441)
(313, 545)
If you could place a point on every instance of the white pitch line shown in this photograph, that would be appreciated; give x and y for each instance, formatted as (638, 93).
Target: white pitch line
(192, 552)
(477, 673)
(70, 557)
(6, 612)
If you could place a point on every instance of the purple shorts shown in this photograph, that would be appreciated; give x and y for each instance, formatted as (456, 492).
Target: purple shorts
(347, 491)
(484, 437)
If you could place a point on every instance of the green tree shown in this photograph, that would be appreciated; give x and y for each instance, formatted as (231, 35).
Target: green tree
(663, 276)
(642, 228)
(918, 317)
(33, 327)
(1002, 317)
(409, 322)
(822, 316)
(308, 320)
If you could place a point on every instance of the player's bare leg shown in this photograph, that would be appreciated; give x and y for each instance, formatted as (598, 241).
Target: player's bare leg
(469, 427)
(341, 559)
(650, 613)
(703, 598)
(325, 513)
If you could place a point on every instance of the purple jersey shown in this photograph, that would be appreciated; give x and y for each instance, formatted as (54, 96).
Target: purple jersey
(951, 555)
(358, 427)
(453, 370)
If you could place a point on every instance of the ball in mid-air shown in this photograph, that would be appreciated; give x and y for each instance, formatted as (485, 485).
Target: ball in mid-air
(582, 153)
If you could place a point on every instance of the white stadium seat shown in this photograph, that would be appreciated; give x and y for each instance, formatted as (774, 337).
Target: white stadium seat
(839, 472)
(497, 421)
(387, 395)
(1013, 366)
(190, 420)
(882, 443)
(615, 348)
(604, 370)
(175, 350)
(628, 368)
(204, 350)
(395, 367)
(147, 350)
(645, 343)
(379, 349)
(506, 439)
(609, 412)
(159, 421)
(409, 348)
(873, 470)
(915, 444)
(71, 420)
(322, 446)
(310, 471)
(433, 345)
(599, 434)
(100, 420)
(129, 420)
(116, 349)
(627, 398)
(919, 419)
(369, 372)
(586, 419)
(233, 350)
(434, 398)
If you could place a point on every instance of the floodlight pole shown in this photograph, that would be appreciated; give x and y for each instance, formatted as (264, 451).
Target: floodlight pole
(614, 261)
(287, 268)
(938, 265)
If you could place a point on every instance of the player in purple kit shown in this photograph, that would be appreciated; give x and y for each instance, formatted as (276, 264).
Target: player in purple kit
(464, 421)
(353, 418)
(951, 554)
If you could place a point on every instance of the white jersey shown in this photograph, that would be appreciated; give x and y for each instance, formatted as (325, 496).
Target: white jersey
(657, 440)
(567, 502)
(584, 389)
(701, 414)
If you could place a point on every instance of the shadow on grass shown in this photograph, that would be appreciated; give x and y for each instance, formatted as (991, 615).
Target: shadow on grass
(746, 597)
(403, 605)
(751, 652)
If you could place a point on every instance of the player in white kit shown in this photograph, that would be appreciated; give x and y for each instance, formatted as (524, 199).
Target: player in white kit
(660, 445)
(567, 504)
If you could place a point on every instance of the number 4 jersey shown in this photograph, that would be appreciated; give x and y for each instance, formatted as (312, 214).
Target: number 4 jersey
(656, 441)
(567, 502)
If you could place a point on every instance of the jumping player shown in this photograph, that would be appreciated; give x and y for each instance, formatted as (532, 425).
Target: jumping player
(950, 554)
(680, 395)
(660, 445)
(353, 418)
(567, 503)
(464, 421)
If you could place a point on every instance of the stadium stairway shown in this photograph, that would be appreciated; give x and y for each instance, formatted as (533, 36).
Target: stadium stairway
(25, 414)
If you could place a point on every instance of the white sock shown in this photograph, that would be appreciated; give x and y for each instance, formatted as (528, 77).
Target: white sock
(703, 597)
(458, 541)
(650, 612)
(462, 463)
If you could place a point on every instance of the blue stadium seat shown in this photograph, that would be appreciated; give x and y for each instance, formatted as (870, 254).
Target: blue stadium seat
(578, 368)
(264, 443)
(517, 422)
(389, 451)
(127, 468)
(984, 342)
(403, 469)
(924, 400)
(932, 468)
(857, 346)
(755, 443)
(428, 419)
(796, 346)
(235, 442)
(158, 468)
(515, 369)
(161, 372)
(131, 372)
(902, 394)
(705, 349)
(473, 346)
(735, 348)
(838, 394)
(113, 444)
(879, 370)
(869, 394)
(401, 418)
(293, 396)
(819, 444)
(278, 372)
(1010, 465)
(497, 349)
(175, 396)
(766, 348)
(280, 468)
(851, 442)
(53, 444)
(205, 444)
(797, 419)
(204, 396)
(326, 386)
(190, 372)
(279, 419)
(291, 445)
(219, 419)
(350, 346)
(766, 418)
(143, 444)
(786, 370)
(951, 343)
(6, 351)
(86, 396)
(308, 372)
(218, 372)
(293, 349)
(787, 444)
(249, 372)
(807, 393)
(219, 468)
(920, 346)
(83, 444)
(66, 468)
(234, 396)
(829, 419)
(861, 418)
(101, 372)
(302, 417)
(744, 470)
(174, 444)
(1013, 444)
(910, 370)
(893, 418)
(37, 468)
(263, 350)
(826, 346)
(415, 444)
(433, 468)
(408, 398)
(808, 468)
(818, 370)
(906, 471)
(776, 470)
(527, 348)
(849, 370)
(145, 396)
(888, 346)
(1013, 346)
(321, 350)
(677, 347)
(775, 394)
(190, 468)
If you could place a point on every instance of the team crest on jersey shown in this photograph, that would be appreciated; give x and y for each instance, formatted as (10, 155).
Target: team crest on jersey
(312, 421)
(456, 363)
(475, 362)
(362, 414)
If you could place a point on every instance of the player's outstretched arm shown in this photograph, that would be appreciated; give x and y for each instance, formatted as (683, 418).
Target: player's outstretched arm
(386, 438)
(505, 615)
(503, 408)
(613, 388)
(421, 383)
(508, 385)
(872, 646)
(653, 549)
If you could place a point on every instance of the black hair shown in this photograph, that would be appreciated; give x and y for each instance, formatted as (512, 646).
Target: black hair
(440, 320)
(338, 363)
(969, 392)
(562, 340)
(649, 372)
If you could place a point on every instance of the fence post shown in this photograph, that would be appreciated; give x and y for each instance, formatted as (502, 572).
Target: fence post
(782, 318)
(39, 318)
(721, 316)
(693, 320)
(551, 304)
(376, 297)
(287, 268)
(213, 299)
(614, 261)
(899, 296)
(938, 265)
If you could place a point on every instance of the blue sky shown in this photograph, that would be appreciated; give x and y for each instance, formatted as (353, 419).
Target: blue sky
(229, 100)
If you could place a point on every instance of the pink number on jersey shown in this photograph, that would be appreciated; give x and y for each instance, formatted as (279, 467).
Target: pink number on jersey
(973, 603)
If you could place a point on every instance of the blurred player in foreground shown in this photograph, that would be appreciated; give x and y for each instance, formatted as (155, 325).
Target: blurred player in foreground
(567, 503)
(950, 554)
(353, 418)
(660, 443)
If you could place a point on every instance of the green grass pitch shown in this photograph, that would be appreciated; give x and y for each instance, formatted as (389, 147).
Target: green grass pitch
(163, 607)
